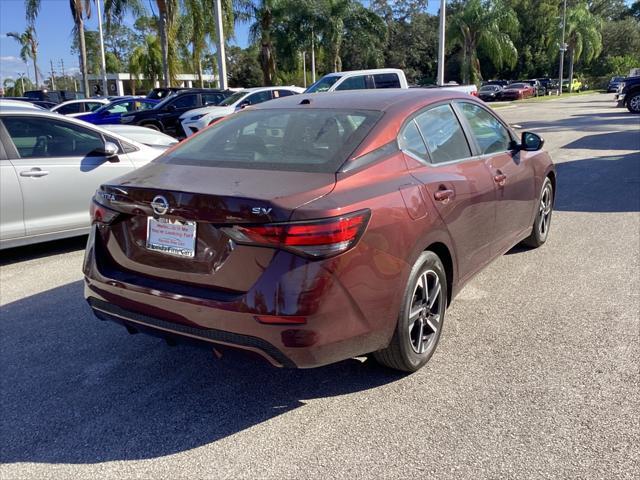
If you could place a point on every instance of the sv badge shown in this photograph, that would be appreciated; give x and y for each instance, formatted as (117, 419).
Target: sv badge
(261, 211)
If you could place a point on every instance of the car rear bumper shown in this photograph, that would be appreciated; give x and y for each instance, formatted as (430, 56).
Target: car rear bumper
(344, 317)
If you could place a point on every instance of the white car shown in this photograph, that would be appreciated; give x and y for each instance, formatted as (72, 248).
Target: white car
(360, 80)
(195, 120)
(73, 108)
(50, 168)
(6, 103)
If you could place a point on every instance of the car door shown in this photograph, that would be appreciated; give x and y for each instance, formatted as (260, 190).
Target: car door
(11, 218)
(59, 168)
(513, 174)
(457, 182)
(171, 115)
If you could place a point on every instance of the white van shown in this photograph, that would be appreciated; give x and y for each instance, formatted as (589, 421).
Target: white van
(360, 79)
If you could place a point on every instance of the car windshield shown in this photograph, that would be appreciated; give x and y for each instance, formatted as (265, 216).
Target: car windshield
(165, 101)
(309, 140)
(617, 79)
(489, 88)
(323, 84)
(234, 98)
(516, 85)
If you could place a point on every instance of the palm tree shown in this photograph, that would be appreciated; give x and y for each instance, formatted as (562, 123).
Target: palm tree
(167, 14)
(28, 47)
(334, 14)
(486, 25)
(583, 36)
(261, 31)
(146, 59)
(79, 10)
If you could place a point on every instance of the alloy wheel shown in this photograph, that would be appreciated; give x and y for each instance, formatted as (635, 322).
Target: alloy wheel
(425, 312)
(634, 103)
(544, 213)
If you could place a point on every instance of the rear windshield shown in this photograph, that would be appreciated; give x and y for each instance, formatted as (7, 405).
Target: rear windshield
(303, 140)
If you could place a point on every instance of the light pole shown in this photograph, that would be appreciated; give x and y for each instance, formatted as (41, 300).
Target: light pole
(222, 64)
(563, 47)
(105, 90)
(441, 38)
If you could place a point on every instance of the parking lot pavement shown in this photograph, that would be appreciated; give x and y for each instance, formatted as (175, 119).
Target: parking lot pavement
(537, 374)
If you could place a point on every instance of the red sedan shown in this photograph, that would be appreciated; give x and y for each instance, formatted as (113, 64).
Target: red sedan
(314, 228)
(517, 91)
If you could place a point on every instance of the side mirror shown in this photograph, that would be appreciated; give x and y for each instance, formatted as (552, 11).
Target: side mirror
(531, 142)
(110, 151)
(243, 105)
(171, 108)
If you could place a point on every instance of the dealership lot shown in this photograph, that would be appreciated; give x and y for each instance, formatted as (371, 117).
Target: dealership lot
(537, 373)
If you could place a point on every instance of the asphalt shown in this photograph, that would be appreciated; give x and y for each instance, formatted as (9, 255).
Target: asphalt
(537, 374)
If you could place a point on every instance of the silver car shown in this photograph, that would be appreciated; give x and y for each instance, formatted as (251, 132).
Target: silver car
(50, 167)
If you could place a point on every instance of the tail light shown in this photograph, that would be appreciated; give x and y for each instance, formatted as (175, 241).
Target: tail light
(316, 239)
(101, 214)
(475, 94)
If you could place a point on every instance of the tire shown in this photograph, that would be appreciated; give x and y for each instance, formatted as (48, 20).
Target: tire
(152, 126)
(542, 222)
(633, 104)
(408, 350)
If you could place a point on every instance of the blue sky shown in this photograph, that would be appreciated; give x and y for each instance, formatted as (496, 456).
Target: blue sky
(54, 28)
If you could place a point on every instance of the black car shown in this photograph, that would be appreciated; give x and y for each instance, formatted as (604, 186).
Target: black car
(165, 115)
(161, 93)
(55, 96)
(489, 93)
(629, 94)
(614, 83)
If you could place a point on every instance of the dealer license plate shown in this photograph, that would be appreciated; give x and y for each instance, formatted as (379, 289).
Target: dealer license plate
(174, 237)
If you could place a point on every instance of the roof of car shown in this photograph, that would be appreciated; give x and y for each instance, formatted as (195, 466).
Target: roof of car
(364, 72)
(198, 90)
(382, 99)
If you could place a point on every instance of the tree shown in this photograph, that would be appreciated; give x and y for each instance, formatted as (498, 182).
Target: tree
(244, 68)
(146, 59)
(28, 47)
(488, 26)
(261, 12)
(582, 35)
(79, 10)
(365, 36)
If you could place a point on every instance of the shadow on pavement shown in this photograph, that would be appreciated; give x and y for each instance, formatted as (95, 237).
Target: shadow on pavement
(593, 122)
(40, 250)
(625, 140)
(77, 390)
(603, 184)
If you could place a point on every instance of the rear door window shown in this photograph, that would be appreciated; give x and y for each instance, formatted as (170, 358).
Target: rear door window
(258, 97)
(282, 93)
(186, 101)
(443, 134)
(386, 80)
(71, 108)
(357, 82)
(313, 140)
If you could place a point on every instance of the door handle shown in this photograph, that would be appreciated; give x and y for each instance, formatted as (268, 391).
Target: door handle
(34, 172)
(443, 195)
(500, 179)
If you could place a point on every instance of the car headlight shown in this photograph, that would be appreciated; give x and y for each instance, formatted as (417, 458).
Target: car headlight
(127, 119)
(197, 117)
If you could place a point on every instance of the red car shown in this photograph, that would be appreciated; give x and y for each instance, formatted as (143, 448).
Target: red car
(517, 91)
(319, 227)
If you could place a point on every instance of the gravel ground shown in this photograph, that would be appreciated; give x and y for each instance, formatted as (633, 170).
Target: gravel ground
(537, 374)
